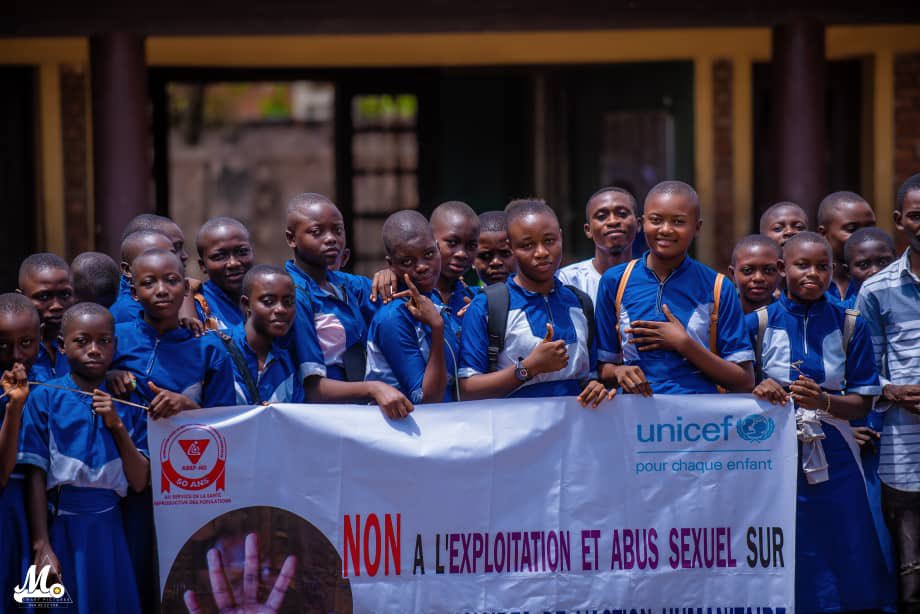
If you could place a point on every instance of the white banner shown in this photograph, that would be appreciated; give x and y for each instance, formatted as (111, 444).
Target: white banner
(521, 505)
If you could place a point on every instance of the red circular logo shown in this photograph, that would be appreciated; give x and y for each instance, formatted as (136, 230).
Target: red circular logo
(193, 457)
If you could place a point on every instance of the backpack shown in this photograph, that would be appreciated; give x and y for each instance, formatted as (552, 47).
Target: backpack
(237, 356)
(849, 325)
(498, 298)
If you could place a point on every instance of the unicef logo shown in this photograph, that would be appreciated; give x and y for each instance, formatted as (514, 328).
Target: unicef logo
(755, 428)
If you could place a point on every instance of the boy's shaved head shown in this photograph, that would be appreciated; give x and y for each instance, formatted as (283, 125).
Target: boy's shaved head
(155, 253)
(261, 271)
(676, 188)
(865, 235)
(772, 209)
(213, 224)
(146, 221)
(612, 190)
(301, 202)
(87, 309)
(522, 207)
(453, 208)
(911, 185)
(139, 241)
(403, 226)
(95, 278)
(14, 303)
(833, 200)
(759, 241)
(806, 237)
(41, 262)
(493, 221)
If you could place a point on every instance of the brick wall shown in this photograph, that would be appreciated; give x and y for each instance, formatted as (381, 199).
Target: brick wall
(723, 169)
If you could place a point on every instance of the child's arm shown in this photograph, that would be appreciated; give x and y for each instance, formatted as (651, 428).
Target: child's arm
(672, 335)
(37, 509)
(167, 403)
(391, 401)
(16, 388)
(135, 464)
(424, 310)
(808, 394)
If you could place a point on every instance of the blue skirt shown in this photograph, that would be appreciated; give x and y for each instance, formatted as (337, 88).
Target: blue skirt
(90, 545)
(137, 513)
(15, 551)
(840, 563)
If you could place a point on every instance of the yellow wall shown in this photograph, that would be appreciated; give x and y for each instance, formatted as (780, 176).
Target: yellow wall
(701, 46)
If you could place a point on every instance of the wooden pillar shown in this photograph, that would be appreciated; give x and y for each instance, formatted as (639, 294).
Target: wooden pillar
(799, 75)
(120, 134)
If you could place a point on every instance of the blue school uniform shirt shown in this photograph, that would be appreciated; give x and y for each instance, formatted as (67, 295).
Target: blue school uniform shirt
(457, 299)
(528, 314)
(848, 301)
(812, 335)
(277, 381)
(61, 435)
(687, 292)
(125, 308)
(340, 317)
(398, 347)
(197, 367)
(42, 370)
(225, 311)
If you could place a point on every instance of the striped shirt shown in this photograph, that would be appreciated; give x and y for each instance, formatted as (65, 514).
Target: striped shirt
(890, 303)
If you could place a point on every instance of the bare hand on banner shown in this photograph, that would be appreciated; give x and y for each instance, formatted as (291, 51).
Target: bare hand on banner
(223, 593)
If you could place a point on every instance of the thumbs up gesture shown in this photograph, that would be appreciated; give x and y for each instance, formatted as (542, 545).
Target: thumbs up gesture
(167, 403)
(547, 356)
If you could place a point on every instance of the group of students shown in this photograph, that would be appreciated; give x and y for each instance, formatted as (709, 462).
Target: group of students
(90, 351)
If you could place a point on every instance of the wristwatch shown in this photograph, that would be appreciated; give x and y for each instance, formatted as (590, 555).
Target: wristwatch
(520, 371)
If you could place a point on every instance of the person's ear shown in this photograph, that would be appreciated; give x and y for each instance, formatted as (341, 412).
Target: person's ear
(187, 286)
(60, 340)
(289, 237)
(201, 266)
(822, 230)
(699, 224)
(133, 290)
(781, 267)
(244, 303)
(389, 261)
(897, 222)
(587, 228)
(731, 272)
(845, 267)
(125, 269)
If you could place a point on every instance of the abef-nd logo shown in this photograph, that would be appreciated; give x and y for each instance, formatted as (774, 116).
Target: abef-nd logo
(35, 590)
(755, 428)
(193, 458)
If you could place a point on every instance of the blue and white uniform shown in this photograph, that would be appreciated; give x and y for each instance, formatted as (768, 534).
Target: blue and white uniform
(398, 347)
(16, 552)
(842, 553)
(890, 303)
(848, 301)
(340, 317)
(583, 275)
(125, 308)
(197, 367)
(224, 310)
(528, 315)
(687, 291)
(277, 381)
(43, 370)
(85, 482)
(457, 299)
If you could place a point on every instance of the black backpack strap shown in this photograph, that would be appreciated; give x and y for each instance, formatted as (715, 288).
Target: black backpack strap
(354, 361)
(237, 356)
(498, 299)
(587, 305)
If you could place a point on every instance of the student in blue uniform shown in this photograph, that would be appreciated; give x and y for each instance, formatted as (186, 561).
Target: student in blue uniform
(655, 315)
(126, 308)
(812, 355)
(96, 278)
(755, 271)
(20, 337)
(866, 252)
(340, 304)
(841, 214)
(175, 370)
(494, 260)
(782, 221)
(263, 370)
(412, 345)
(547, 349)
(45, 280)
(84, 451)
(225, 255)
(611, 223)
(456, 229)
